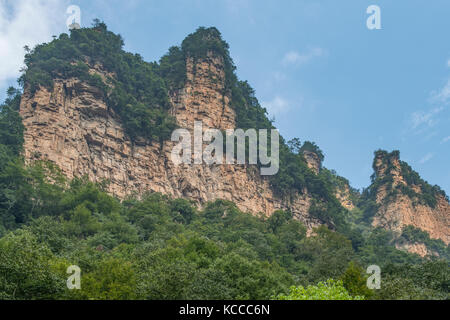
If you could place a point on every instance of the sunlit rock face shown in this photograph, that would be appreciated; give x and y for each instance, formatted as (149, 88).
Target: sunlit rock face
(400, 211)
(72, 127)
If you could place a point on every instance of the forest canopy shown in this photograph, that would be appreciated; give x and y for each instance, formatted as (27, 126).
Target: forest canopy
(157, 247)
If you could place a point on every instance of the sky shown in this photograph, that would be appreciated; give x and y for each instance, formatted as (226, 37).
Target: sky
(314, 64)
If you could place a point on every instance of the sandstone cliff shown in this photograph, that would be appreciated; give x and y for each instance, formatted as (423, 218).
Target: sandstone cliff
(72, 126)
(313, 161)
(401, 202)
(418, 248)
(344, 197)
(69, 123)
(342, 186)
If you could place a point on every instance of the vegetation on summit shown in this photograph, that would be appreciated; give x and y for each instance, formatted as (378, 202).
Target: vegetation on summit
(162, 248)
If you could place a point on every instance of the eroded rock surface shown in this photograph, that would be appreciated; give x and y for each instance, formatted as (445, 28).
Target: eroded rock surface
(401, 211)
(73, 127)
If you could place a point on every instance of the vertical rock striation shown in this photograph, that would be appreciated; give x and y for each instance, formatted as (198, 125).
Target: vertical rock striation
(398, 210)
(72, 127)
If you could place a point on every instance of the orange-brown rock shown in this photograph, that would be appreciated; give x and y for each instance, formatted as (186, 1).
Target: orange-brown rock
(343, 195)
(417, 248)
(401, 211)
(313, 161)
(72, 127)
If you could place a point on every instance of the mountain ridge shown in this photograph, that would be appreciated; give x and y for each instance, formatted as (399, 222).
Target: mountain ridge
(80, 120)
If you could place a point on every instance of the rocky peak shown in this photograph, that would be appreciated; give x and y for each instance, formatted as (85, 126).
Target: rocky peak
(384, 161)
(71, 125)
(203, 97)
(312, 160)
(405, 199)
(388, 165)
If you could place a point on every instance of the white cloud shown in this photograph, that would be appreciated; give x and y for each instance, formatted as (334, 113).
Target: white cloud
(426, 158)
(443, 95)
(446, 139)
(26, 22)
(433, 120)
(277, 106)
(448, 63)
(296, 58)
(422, 118)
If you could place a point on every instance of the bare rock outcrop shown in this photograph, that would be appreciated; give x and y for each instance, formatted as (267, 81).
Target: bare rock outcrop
(344, 197)
(73, 127)
(313, 161)
(401, 210)
(418, 248)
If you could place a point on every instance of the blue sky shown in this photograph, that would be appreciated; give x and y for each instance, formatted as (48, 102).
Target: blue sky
(314, 64)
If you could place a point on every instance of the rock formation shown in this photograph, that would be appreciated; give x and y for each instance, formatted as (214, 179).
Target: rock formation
(72, 127)
(398, 210)
(313, 161)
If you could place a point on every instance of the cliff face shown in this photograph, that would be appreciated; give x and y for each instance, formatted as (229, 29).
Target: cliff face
(313, 161)
(73, 127)
(399, 210)
(342, 192)
(418, 248)
(344, 197)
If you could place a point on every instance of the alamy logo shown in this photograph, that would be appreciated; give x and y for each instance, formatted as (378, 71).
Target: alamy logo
(374, 20)
(74, 281)
(374, 281)
(74, 20)
(258, 150)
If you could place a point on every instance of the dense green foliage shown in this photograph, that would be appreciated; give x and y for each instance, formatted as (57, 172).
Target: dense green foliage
(330, 290)
(418, 282)
(294, 175)
(138, 91)
(11, 127)
(130, 86)
(355, 281)
(162, 248)
(158, 248)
